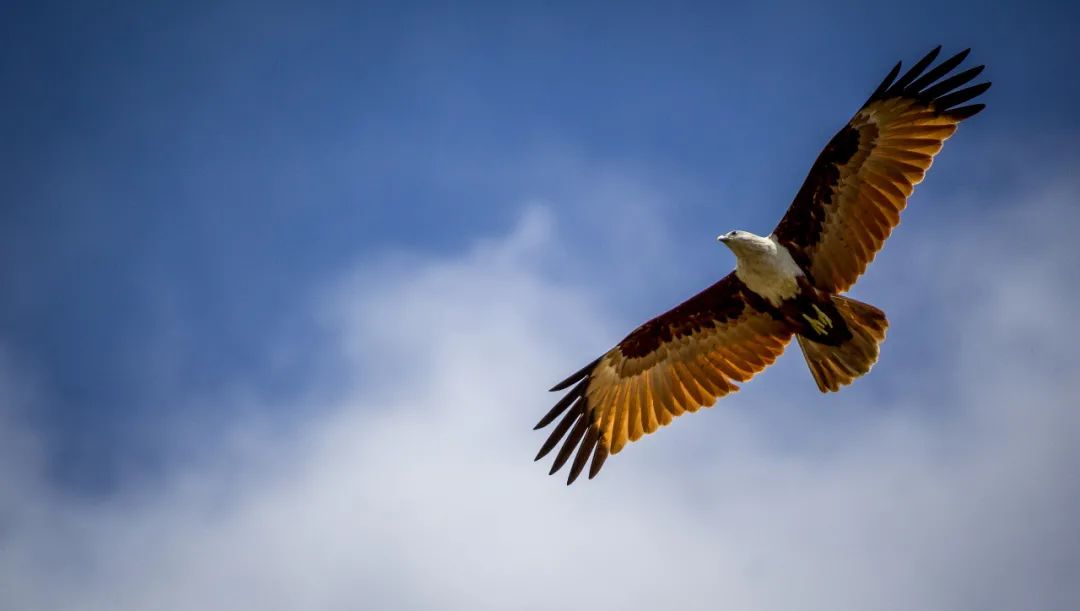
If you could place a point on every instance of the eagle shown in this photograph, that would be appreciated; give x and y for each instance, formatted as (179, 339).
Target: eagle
(790, 283)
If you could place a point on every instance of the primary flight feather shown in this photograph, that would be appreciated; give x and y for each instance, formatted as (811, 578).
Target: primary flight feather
(787, 284)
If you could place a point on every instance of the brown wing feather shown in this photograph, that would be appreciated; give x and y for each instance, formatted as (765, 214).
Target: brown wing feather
(675, 363)
(852, 198)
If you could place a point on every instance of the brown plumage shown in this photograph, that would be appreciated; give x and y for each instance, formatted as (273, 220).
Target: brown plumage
(851, 200)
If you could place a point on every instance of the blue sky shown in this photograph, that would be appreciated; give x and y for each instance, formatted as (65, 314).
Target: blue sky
(205, 207)
(180, 180)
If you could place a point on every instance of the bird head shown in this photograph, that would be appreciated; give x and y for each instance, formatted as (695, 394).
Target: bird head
(741, 242)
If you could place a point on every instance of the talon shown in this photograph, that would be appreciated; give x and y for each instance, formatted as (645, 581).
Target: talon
(815, 324)
(826, 322)
(821, 324)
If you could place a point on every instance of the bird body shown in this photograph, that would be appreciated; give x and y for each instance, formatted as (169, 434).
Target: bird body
(788, 284)
(764, 265)
(769, 272)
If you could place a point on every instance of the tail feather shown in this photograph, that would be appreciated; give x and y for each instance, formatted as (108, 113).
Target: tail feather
(836, 366)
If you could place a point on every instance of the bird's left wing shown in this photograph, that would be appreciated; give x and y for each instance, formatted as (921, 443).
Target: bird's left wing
(678, 362)
(852, 198)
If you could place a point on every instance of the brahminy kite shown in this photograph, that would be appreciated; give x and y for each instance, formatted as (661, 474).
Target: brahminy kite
(787, 284)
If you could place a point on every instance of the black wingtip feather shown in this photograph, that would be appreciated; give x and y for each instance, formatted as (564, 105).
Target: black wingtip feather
(584, 451)
(965, 112)
(599, 456)
(937, 72)
(923, 85)
(916, 70)
(577, 375)
(885, 83)
(947, 85)
(571, 442)
(560, 429)
(563, 403)
(583, 436)
(945, 102)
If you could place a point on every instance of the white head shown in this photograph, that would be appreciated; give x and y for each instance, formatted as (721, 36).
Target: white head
(745, 243)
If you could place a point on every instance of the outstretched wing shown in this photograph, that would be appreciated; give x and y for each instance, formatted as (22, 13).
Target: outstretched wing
(677, 362)
(852, 198)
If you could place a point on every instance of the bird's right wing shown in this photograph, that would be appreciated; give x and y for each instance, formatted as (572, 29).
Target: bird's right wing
(678, 362)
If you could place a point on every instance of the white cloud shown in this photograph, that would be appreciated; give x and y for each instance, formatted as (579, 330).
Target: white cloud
(418, 490)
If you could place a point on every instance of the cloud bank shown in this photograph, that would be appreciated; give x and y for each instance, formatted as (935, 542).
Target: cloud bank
(949, 489)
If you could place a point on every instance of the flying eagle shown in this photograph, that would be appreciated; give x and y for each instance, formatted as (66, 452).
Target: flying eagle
(786, 284)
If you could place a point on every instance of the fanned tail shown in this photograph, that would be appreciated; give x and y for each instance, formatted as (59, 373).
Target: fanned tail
(836, 366)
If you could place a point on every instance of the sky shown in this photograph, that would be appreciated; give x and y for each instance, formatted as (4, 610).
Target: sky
(282, 288)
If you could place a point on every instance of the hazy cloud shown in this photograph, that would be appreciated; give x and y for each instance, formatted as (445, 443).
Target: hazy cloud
(417, 491)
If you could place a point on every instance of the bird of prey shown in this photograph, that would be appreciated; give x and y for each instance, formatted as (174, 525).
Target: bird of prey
(787, 284)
